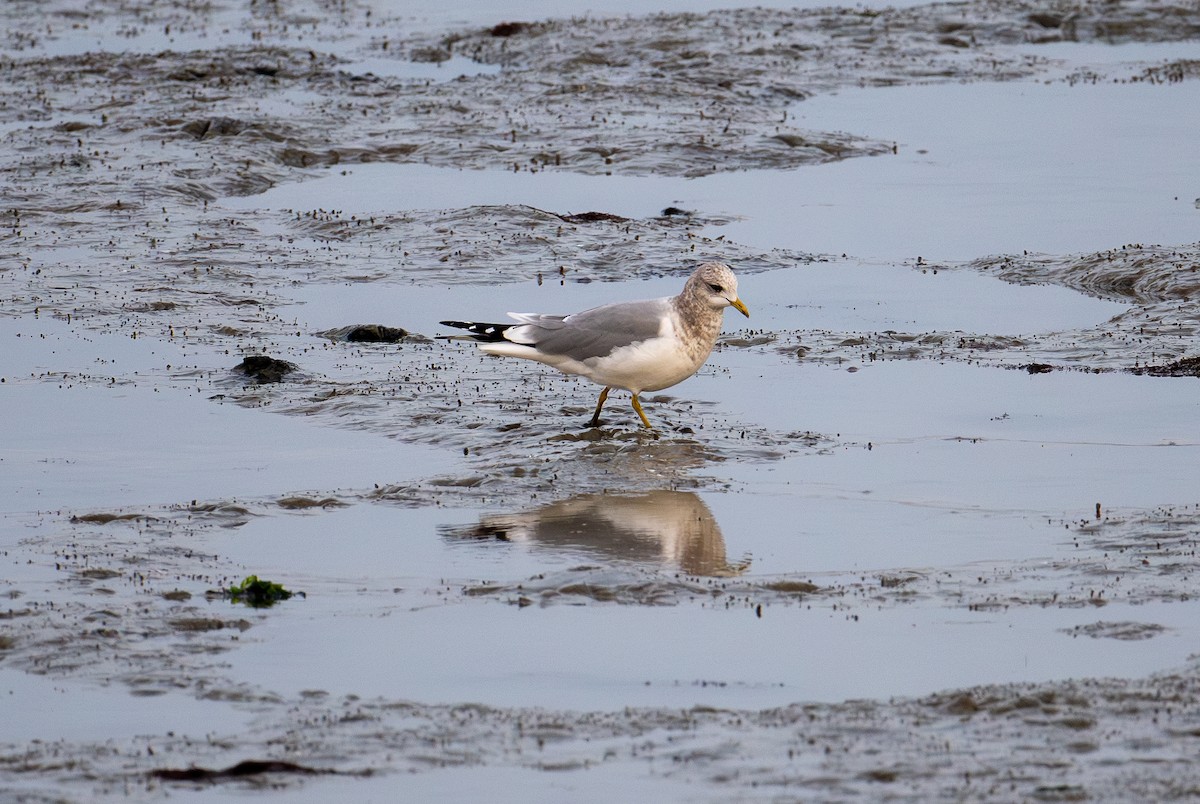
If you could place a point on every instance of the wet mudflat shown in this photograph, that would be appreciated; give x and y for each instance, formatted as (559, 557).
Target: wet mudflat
(924, 527)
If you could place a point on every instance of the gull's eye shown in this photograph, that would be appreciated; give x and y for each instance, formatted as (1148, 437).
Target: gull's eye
(715, 288)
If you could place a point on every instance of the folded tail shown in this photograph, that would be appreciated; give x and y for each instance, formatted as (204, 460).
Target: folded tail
(484, 333)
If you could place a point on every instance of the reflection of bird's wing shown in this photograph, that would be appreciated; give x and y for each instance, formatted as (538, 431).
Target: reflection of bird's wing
(678, 520)
(562, 523)
(576, 525)
(657, 528)
(593, 333)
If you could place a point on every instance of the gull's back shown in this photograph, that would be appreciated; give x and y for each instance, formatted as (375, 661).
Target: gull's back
(591, 334)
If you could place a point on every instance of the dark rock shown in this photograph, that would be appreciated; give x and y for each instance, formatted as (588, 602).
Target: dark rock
(1046, 19)
(376, 333)
(262, 368)
(593, 217)
(366, 333)
(243, 769)
(509, 28)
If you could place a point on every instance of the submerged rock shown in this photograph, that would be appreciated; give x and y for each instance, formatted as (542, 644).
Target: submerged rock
(366, 333)
(262, 368)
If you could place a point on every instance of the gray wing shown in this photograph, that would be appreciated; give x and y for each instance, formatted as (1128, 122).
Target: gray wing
(592, 333)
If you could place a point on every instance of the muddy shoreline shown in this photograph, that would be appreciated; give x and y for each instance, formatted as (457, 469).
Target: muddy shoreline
(124, 270)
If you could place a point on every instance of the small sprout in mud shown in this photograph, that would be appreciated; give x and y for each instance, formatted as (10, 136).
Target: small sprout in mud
(259, 593)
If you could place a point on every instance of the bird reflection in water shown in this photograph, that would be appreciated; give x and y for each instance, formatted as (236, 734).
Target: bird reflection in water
(660, 528)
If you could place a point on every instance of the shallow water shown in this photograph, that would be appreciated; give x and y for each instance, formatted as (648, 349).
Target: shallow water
(698, 652)
(914, 530)
(85, 444)
(1008, 167)
(844, 294)
(40, 709)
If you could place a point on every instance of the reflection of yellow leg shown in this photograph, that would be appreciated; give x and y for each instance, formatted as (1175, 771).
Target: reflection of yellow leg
(595, 422)
(638, 407)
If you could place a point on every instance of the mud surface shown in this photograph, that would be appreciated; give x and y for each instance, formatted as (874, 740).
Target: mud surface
(126, 128)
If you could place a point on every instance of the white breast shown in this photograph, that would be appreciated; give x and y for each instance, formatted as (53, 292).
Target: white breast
(650, 365)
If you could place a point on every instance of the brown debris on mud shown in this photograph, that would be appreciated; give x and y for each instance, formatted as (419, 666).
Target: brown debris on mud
(1184, 367)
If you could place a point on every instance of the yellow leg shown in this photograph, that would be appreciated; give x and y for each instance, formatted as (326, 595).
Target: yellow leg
(595, 422)
(638, 407)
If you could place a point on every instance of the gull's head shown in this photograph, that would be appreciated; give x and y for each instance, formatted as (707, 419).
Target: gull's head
(716, 285)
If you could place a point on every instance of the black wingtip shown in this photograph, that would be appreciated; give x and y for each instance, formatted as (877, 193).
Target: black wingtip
(486, 333)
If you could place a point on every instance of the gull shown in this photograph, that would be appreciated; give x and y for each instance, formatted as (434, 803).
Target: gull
(638, 346)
